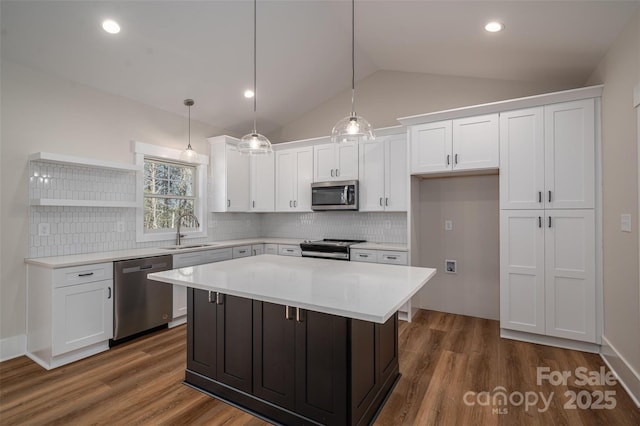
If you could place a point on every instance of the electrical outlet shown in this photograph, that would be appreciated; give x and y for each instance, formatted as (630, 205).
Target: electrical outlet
(120, 226)
(625, 222)
(44, 229)
(448, 225)
(451, 266)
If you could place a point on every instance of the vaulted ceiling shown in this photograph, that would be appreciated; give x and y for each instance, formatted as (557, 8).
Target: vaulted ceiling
(171, 50)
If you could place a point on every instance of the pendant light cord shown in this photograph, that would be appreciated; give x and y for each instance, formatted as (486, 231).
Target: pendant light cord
(353, 57)
(189, 144)
(255, 92)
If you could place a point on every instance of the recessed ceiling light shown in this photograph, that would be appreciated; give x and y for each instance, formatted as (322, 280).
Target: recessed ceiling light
(111, 26)
(248, 93)
(494, 26)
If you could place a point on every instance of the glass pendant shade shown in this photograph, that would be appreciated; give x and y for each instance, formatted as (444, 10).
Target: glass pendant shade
(254, 143)
(188, 154)
(352, 129)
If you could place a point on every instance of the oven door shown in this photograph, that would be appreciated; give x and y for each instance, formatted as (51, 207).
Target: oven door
(341, 195)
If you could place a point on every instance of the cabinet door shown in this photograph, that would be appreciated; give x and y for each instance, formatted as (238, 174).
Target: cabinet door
(82, 315)
(234, 338)
(569, 144)
(522, 159)
(274, 354)
(476, 142)
(285, 179)
(179, 301)
(431, 147)
(372, 175)
(304, 178)
(570, 274)
(262, 188)
(396, 177)
(324, 162)
(522, 286)
(201, 331)
(237, 180)
(321, 367)
(257, 249)
(346, 161)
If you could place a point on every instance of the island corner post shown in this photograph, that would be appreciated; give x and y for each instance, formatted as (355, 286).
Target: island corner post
(289, 365)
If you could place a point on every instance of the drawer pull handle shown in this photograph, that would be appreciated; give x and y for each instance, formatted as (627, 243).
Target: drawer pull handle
(108, 292)
(549, 196)
(392, 257)
(331, 172)
(242, 251)
(287, 313)
(299, 315)
(539, 196)
(448, 157)
(363, 255)
(219, 299)
(210, 298)
(88, 274)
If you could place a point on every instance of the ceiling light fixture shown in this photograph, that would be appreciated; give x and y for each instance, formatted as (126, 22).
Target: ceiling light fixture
(494, 26)
(254, 142)
(111, 26)
(248, 93)
(189, 154)
(352, 128)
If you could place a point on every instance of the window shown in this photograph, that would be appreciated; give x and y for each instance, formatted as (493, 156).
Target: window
(169, 191)
(166, 188)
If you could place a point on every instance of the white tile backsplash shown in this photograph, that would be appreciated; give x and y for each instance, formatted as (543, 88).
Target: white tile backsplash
(79, 230)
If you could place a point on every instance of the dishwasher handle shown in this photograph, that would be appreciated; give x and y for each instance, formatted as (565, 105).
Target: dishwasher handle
(147, 268)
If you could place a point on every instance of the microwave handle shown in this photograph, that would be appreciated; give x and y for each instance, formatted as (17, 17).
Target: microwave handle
(345, 195)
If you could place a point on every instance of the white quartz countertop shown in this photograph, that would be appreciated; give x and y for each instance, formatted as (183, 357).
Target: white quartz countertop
(55, 262)
(365, 291)
(110, 256)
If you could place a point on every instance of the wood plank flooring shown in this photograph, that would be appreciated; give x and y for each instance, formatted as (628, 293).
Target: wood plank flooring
(443, 357)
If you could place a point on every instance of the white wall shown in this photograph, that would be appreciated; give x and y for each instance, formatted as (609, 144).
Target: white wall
(386, 95)
(620, 73)
(41, 112)
(471, 203)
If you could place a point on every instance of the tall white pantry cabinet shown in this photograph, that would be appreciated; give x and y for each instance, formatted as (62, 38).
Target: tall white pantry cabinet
(548, 221)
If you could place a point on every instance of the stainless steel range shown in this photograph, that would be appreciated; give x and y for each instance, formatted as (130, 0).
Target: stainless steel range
(328, 248)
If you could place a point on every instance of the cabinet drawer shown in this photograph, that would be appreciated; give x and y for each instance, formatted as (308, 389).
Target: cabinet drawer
(187, 259)
(241, 251)
(289, 250)
(270, 249)
(360, 255)
(211, 256)
(392, 257)
(82, 274)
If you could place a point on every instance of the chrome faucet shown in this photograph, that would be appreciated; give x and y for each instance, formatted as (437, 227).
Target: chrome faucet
(182, 216)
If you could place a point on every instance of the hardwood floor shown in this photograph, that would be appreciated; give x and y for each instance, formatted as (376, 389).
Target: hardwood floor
(443, 357)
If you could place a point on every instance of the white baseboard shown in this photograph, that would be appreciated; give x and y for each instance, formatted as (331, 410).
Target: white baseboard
(558, 342)
(629, 378)
(13, 347)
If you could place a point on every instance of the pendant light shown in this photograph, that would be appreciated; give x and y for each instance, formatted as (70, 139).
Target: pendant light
(254, 142)
(189, 154)
(352, 128)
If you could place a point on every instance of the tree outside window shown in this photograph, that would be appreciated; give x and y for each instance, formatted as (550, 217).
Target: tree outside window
(169, 191)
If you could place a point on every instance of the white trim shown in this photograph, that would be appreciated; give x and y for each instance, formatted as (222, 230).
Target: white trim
(557, 342)
(141, 150)
(69, 357)
(636, 96)
(13, 347)
(599, 270)
(629, 378)
(502, 106)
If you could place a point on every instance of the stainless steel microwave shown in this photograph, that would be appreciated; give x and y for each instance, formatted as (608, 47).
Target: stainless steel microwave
(334, 195)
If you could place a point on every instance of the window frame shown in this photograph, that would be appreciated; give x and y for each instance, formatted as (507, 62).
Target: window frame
(171, 155)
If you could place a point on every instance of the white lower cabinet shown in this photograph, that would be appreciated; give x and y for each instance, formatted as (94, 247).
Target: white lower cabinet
(242, 251)
(257, 249)
(289, 250)
(388, 257)
(547, 273)
(270, 248)
(69, 312)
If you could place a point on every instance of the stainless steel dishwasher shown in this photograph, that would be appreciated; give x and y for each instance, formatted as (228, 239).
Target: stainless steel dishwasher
(140, 304)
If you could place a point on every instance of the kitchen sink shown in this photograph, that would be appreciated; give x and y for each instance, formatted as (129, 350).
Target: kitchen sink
(187, 246)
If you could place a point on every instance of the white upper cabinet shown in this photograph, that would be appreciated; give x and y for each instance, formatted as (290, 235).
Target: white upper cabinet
(294, 174)
(522, 159)
(431, 147)
(262, 183)
(475, 143)
(335, 162)
(470, 143)
(569, 145)
(229, 176)
(547, 157)
(383, 174)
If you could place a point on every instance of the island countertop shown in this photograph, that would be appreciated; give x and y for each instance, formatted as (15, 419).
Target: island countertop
(364, 291)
